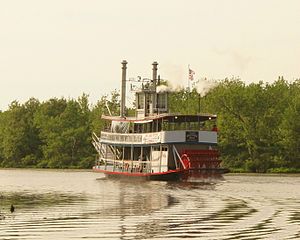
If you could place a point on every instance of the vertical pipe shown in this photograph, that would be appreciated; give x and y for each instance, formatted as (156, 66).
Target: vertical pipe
(199, 107)
(154, 74)
(154, 96)
(123, 89)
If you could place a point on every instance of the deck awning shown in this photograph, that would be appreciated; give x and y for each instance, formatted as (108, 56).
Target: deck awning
(164, 117)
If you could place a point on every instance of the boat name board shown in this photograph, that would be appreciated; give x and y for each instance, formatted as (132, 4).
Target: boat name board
(192, 136)
(151, 138)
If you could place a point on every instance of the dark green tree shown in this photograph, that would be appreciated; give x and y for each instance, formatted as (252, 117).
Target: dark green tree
(20, 143)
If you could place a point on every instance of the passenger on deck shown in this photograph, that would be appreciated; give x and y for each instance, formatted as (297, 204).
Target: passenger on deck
(215, 129)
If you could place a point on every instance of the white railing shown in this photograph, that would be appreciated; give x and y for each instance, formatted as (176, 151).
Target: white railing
(158, 137)
(119, 137)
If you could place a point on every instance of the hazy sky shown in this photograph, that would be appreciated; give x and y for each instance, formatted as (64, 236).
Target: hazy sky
(66, 47)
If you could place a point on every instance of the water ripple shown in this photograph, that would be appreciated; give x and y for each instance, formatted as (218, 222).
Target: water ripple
(89, 209)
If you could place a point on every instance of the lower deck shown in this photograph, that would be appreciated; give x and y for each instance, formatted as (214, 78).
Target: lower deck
(159, 159)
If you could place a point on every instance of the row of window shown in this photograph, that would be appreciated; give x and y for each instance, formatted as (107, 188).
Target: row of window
(161, 101)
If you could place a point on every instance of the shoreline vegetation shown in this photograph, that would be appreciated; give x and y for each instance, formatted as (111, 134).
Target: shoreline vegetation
(49, 169)
(269, 171)
(259, 127)
(233, 172)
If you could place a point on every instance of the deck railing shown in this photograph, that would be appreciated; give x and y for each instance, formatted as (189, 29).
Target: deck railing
(124, 165)
(118, 137)
(159, 137)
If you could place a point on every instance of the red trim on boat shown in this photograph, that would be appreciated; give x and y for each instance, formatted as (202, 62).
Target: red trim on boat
(136, 174)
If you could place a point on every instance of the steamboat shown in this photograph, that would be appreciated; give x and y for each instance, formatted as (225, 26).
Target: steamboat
(156, 144)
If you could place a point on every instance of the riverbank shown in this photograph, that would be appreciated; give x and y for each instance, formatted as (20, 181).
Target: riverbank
(232, 172)
(51, 169)
(269, 171)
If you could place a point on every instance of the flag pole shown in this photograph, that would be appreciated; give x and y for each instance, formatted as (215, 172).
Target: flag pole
(189, 78)
(188, 89)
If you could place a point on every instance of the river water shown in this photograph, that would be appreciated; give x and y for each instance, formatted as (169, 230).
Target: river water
(83, 205)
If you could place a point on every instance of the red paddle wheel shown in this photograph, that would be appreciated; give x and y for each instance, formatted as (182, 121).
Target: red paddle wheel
(200, 163)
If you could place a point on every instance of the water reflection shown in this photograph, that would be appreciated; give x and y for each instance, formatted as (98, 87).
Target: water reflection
(192, 185)
(130, 199)
(75, 205)
(31, 200)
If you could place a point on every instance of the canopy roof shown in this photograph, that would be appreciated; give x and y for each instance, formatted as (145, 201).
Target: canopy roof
(165, 117)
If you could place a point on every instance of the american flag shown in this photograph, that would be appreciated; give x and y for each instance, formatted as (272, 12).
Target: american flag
(191, 74)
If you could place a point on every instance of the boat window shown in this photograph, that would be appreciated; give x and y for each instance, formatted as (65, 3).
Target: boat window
(185, 124)
(119, 127)
(156, 148)
(141, 101)
(161, 100)
(164, 148)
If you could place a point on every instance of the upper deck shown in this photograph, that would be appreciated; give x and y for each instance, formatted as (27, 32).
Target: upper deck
(163, 128)
(160, 122)
(153, 123)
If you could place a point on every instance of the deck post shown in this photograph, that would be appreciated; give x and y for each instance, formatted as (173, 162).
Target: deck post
(105, 156)
(115, 157)
(123, 160)
(160, 155)
(150, 160)
(141, 159)
(131, 157)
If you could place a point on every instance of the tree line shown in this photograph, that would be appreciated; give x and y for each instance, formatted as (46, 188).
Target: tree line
(259, 126)
(51, 134)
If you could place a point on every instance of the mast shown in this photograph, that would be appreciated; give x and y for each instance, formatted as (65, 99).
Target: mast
(123, 89)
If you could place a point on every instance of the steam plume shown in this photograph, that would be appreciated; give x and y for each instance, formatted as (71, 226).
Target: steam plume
(204, 85)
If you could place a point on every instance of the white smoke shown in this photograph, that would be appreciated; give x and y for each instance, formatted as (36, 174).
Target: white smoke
(169, 88)
(178, 80)
(203, 86)
(163, 88)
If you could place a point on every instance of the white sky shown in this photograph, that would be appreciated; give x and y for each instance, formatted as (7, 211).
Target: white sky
(66, 47)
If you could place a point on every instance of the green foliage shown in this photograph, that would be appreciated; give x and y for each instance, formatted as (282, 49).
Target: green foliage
(259, 126)
(52, 134)
(104, 106)
(184, 101)
(65, 131)
(19, 136)
(290, 131)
